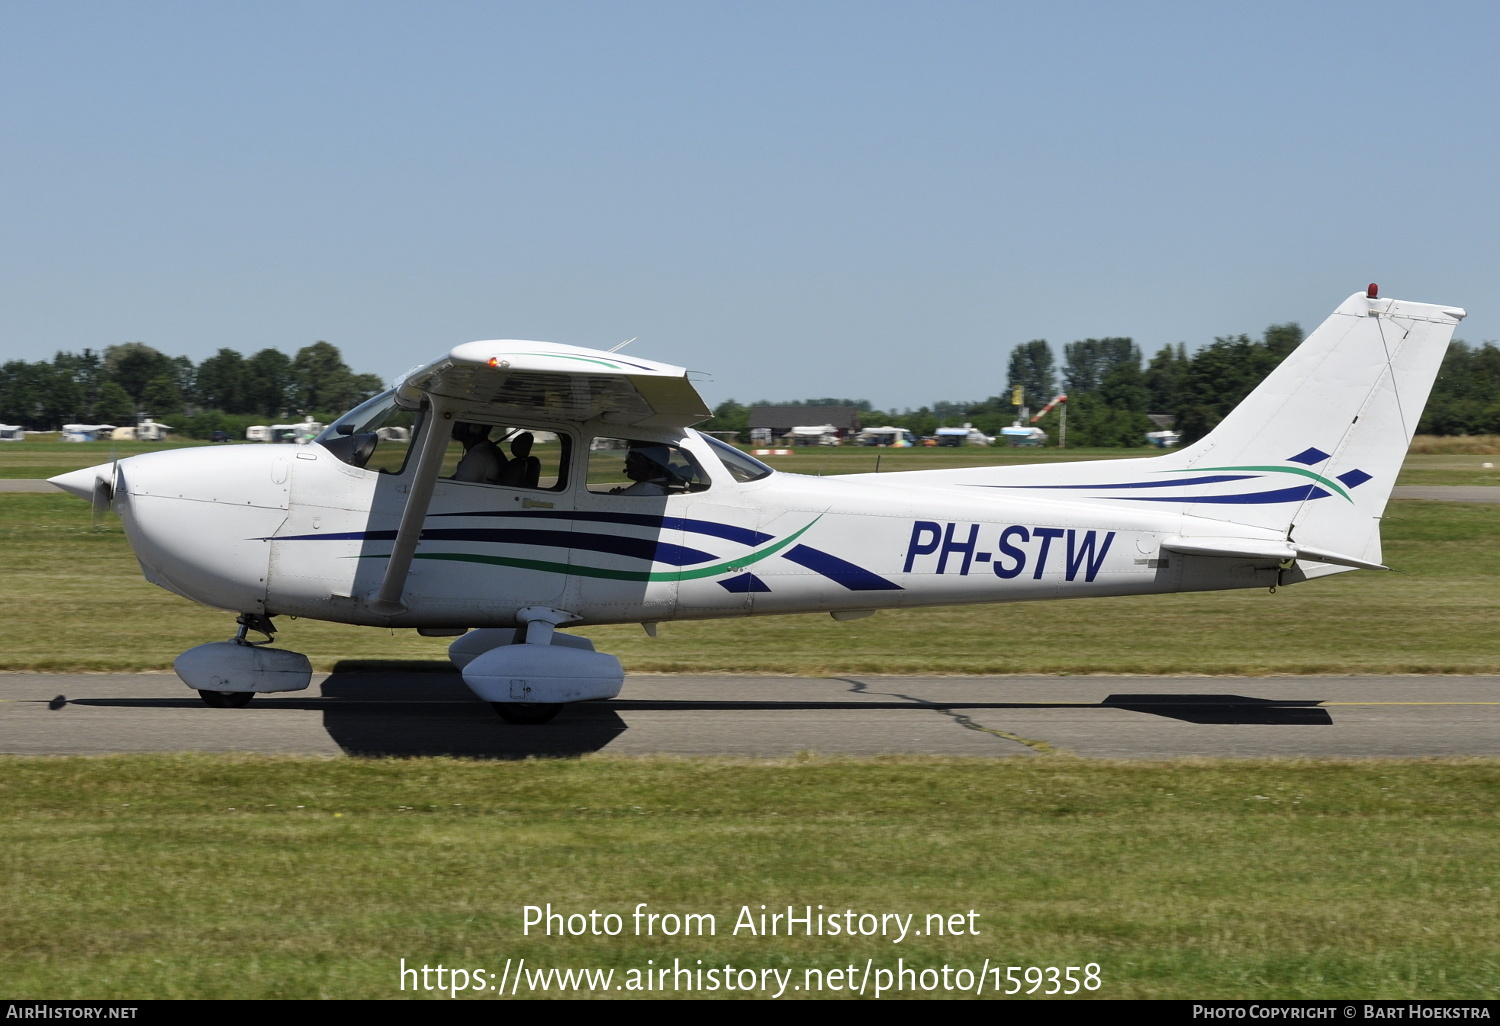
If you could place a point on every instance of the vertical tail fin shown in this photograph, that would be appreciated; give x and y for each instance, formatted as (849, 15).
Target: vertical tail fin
(1326, 432)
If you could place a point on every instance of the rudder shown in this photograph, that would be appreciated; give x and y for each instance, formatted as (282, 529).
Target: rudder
(1328, 429)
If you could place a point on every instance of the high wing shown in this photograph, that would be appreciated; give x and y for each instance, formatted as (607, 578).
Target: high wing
(546, 381)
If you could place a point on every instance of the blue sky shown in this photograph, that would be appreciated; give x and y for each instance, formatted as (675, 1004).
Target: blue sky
(865, 199)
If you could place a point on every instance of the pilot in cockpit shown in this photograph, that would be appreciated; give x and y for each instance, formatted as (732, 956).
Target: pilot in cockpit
(650, 467)
(482, 460)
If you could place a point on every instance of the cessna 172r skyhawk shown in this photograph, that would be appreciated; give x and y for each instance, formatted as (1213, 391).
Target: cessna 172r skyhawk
(541, 486)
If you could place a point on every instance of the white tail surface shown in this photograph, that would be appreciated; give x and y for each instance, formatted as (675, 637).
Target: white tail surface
(1310, 455)
(1327, 430)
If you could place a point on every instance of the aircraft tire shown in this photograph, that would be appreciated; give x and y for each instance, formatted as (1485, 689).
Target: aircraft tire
(226, 699)
(527, 712)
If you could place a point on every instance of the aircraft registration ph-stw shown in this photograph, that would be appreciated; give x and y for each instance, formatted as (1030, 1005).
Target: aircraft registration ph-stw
(541, 486)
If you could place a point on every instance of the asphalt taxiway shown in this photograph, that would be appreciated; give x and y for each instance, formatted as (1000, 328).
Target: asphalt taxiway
(1092, 716)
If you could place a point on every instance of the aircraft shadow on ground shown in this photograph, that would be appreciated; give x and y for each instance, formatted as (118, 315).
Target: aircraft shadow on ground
(1225, 709)
(1220, 709)
(437, 714)
(427, 712)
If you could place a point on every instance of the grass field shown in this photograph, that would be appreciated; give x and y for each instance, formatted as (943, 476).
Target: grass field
(197, 876)
(73, 599)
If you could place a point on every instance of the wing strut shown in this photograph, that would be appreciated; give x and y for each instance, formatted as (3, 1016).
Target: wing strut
(438, 430)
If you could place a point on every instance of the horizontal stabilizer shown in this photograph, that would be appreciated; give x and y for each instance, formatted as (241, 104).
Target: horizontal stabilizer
(1262, 548)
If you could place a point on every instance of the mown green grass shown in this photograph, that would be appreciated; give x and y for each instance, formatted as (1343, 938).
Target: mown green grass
(73, 599)
(199, 876)
(1450, 470)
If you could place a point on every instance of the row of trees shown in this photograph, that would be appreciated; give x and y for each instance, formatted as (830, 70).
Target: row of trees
(1466, 396)
(127, 382)
(1111, 389)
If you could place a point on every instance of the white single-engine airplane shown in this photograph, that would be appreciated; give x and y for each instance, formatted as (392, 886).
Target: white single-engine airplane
(546, 486)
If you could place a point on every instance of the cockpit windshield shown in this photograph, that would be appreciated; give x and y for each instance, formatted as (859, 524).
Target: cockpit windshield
(740, 466)
(375, 435)
(370, 415)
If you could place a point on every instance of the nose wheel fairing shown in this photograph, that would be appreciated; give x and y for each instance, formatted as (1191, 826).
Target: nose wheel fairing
(227, 674)
(233, 666)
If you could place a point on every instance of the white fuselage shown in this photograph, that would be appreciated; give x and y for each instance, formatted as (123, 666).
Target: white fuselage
(283, 529)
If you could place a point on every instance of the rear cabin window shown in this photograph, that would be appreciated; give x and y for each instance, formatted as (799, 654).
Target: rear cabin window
(511, 456)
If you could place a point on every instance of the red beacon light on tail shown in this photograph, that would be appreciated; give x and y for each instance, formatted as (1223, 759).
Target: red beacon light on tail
(1373, 291)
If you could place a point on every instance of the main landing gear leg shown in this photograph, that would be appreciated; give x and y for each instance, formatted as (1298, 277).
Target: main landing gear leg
(533, 672)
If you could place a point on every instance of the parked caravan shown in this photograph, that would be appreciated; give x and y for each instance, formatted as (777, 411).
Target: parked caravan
(87, 432)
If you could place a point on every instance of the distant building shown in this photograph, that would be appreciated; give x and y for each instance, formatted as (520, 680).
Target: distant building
(779, 420)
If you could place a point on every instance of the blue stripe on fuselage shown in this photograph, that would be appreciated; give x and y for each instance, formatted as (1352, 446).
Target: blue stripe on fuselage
(1297, 493)
(1178, 483)
(620, 545)
(728, 532)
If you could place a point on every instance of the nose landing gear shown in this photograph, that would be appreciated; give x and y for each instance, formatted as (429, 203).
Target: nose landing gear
(228, 674)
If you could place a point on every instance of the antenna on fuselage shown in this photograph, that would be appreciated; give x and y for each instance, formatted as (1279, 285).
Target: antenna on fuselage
(622, 345)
